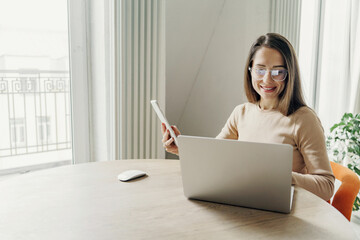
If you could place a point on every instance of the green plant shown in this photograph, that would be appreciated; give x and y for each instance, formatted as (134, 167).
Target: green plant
(343, 145)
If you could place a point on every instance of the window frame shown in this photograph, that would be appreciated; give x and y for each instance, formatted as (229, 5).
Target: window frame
(78, 19)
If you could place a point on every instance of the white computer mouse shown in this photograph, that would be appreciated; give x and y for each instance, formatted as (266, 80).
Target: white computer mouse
(130, 174)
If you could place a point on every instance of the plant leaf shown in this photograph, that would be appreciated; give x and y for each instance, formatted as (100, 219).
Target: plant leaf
(356, 205)
(357, 170)
(333, 127)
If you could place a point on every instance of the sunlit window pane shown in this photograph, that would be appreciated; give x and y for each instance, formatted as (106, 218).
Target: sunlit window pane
(35, 108)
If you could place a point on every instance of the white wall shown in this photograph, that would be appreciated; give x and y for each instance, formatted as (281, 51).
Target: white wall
(207, 43)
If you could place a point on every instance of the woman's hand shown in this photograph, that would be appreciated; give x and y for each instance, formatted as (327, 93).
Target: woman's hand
(168, 142)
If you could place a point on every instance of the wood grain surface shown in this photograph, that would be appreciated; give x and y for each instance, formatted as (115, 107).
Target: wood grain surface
(87, 201)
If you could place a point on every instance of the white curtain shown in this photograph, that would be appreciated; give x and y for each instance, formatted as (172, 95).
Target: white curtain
(355, 57)
(141, 60)
(285, 20)
(338, 77)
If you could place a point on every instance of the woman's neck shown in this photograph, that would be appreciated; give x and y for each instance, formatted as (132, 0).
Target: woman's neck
(268, 104)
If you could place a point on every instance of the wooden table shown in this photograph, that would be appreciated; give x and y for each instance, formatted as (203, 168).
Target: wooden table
(86, 201)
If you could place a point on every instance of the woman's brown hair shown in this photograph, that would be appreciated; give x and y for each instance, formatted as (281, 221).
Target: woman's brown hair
(291, 98)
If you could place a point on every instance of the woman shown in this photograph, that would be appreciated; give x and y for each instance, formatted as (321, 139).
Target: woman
(277, 113)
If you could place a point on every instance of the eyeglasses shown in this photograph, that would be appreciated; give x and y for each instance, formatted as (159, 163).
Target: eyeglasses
(276, 74)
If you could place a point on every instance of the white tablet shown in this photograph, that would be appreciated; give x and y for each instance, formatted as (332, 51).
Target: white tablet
(162, 118)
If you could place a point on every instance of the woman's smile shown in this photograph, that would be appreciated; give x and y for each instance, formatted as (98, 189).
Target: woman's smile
(268, 89)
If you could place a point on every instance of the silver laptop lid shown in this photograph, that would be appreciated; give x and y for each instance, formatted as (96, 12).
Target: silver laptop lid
(256, 175)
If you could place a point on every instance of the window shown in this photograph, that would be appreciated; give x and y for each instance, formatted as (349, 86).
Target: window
(17, 130)
(35, 99)
(43, 126)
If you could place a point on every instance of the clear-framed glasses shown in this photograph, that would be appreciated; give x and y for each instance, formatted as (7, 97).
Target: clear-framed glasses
(276, 74)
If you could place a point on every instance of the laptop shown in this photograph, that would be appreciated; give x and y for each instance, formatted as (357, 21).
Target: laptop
(246, 174)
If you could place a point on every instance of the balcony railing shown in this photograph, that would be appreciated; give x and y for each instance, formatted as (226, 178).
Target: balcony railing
(35, 112)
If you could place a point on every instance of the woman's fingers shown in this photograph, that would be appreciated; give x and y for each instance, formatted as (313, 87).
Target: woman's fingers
(168, 142)
(173, 150)
(176, 130)
(163, 128)
(165, 136)
(170, 146)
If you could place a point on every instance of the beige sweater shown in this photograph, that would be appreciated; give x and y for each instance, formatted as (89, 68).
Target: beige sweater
(302, 130)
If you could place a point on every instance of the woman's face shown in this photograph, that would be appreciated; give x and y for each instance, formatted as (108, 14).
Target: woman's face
(267, 59)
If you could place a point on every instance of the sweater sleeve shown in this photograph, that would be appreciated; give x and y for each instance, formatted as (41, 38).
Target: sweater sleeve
(229, 131)
(310, 140)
